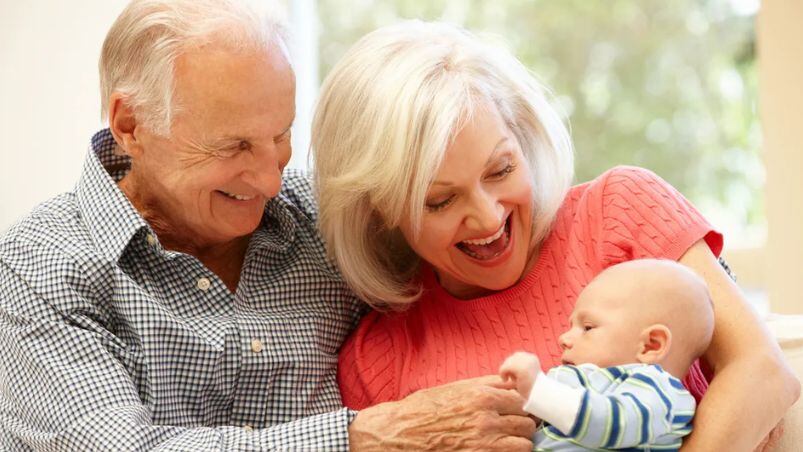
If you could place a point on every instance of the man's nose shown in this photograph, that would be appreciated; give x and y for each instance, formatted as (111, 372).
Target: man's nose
(265, 173)
(487, 213)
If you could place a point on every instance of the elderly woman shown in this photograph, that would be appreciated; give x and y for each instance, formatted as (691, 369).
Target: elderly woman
(444, 175)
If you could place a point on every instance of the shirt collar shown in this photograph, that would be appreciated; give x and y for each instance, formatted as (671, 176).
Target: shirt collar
(108, 214)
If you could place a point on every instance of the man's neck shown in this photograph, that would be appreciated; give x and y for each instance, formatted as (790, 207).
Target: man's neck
(225, 259)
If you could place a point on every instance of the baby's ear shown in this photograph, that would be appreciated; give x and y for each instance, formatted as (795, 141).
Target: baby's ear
(655, 342)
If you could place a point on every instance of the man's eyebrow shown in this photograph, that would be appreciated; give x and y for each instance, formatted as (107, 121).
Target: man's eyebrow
(229, 140)
(292, 121)
(487, 162)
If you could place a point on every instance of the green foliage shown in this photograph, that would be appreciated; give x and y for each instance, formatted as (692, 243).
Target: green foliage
(666, 85)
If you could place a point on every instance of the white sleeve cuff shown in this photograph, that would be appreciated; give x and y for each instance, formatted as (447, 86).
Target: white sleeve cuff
(554, 402)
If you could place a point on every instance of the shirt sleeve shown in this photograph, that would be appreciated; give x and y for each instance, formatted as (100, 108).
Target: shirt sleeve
(366, 371)
(635, 409)
(643, 216)
(63, 387)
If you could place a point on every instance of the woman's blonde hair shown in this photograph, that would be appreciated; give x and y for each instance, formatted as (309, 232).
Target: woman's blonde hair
(386, 115)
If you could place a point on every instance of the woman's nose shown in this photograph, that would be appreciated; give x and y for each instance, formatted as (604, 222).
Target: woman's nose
(487, 213)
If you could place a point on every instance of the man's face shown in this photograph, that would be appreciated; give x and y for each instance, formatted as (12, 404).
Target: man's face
(229, 142)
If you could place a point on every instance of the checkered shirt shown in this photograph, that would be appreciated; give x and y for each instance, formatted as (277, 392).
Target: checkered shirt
(108, 341)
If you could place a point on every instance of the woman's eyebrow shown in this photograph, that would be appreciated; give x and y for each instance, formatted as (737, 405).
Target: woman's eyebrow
(487, 162)
(498, 145)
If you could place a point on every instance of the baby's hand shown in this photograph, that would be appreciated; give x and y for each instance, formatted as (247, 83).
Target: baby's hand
(522, 368)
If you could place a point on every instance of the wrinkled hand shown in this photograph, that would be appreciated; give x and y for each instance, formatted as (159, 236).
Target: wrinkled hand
(476, 414)
(770, 442)
(521, 368)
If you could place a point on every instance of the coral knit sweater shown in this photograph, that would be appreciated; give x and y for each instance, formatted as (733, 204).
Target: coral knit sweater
(626, 213)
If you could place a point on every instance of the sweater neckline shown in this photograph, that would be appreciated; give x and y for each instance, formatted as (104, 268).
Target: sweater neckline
(439, 295)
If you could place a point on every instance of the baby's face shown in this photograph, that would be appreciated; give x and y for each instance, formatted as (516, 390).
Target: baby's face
(604, 329)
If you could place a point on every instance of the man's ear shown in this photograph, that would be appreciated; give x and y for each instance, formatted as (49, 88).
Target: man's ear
(123, 125)
(655, 342)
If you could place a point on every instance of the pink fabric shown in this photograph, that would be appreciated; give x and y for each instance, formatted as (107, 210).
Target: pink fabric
(626, 213)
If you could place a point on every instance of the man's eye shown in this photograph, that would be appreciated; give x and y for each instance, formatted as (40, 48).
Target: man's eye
(243, 146)
(434, 207)
(283, 137)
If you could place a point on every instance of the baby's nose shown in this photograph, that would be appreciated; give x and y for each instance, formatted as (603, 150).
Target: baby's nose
(564, 342)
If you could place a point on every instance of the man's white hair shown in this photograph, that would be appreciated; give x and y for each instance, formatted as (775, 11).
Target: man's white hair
(386, 115)
(141, 48)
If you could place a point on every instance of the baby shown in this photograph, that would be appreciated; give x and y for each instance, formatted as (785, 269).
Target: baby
(635, 331)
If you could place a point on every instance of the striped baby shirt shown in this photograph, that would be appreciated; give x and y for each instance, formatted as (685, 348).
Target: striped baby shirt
(633, 407)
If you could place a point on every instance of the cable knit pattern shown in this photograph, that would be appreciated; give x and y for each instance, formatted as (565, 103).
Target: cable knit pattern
(626, 213)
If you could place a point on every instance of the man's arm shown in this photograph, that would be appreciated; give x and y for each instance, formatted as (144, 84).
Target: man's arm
(476, 414)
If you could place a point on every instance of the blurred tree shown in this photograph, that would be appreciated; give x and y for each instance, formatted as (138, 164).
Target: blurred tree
(669, 86)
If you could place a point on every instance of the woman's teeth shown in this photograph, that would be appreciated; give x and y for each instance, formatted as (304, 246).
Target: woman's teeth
(489, 247)
(487, 240)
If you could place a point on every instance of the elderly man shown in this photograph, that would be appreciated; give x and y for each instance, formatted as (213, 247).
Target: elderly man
(180, 298)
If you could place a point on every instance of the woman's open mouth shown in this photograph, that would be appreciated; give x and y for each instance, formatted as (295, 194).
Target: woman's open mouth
(489, 247)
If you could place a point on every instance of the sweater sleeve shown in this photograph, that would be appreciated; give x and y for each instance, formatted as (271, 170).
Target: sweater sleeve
(366, 370)
(643, 216)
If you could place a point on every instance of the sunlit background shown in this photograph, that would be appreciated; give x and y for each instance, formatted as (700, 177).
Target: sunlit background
(670, 86)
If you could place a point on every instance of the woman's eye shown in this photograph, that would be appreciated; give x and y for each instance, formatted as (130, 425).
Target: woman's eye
(436, 206)
(504, 172)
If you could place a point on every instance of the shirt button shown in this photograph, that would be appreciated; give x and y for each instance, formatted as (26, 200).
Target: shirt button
(204, 284)
(247, 428)
(256, 345)
(150, 239)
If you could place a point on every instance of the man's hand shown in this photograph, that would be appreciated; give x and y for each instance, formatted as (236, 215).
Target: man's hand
(476, 414)
(521, 368)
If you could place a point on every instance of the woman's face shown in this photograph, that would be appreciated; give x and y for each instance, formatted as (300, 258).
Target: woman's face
(477, 218)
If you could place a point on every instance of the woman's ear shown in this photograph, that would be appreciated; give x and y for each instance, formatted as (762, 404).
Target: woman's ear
(655, 343)
(123, 125)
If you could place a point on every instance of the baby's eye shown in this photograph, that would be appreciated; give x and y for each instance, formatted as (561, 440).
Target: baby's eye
(588, 327)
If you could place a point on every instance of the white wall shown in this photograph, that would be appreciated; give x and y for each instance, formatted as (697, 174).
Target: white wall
(780, 50)
(49, 96)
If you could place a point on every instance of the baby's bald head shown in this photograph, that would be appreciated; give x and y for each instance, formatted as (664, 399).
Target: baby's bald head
(652, 292)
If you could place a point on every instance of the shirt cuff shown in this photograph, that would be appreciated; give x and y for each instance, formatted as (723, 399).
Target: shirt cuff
(554, 402)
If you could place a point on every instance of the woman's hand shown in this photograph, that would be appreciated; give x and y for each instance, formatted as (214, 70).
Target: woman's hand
(476, 414)
(771, 441)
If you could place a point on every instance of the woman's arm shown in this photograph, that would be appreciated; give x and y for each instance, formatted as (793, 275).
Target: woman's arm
(750, 374)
